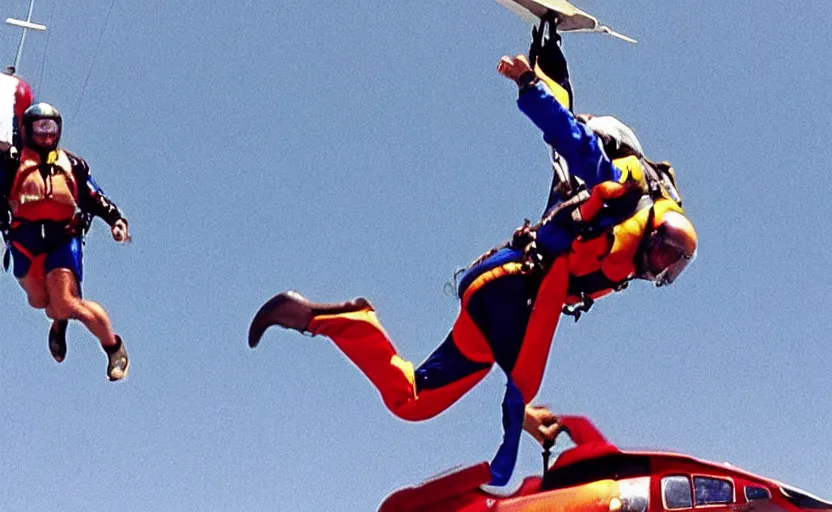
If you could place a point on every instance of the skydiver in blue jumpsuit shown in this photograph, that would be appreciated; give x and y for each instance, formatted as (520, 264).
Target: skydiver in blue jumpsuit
(512, 297)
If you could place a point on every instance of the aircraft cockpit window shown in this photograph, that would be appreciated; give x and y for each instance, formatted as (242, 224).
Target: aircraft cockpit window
(676, 492)
(710, 491)
(757, 493)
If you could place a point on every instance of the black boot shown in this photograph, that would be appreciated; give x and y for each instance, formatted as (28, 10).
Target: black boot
(57, 339)
(118, 363)
(292, 310)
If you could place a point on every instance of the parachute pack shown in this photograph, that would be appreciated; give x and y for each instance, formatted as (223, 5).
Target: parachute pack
(624, 149)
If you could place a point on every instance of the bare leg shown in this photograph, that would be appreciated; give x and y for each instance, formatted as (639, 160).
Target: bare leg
(66, 304)
(38, 296)
(36, 292)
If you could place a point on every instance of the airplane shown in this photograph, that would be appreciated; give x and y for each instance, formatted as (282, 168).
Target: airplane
(597, 476)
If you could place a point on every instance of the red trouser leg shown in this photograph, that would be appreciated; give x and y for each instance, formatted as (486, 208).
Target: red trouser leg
(363, 340)
(455, 367)
(534, 351)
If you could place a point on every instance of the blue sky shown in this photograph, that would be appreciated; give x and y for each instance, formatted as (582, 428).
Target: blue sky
(369, 148)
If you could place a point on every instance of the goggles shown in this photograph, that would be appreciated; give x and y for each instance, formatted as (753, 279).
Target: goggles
(672, 254)
(45, 127)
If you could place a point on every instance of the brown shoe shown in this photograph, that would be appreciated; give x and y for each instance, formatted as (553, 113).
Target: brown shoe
(292, 310)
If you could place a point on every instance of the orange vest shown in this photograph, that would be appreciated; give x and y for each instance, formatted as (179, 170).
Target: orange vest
(34, 197)
(603, 264)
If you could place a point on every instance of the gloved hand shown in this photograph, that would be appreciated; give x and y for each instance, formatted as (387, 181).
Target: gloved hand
(545, 52)
(548, 61)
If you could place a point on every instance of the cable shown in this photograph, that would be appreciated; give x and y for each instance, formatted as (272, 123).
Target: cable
(94, 55)
(46, 48)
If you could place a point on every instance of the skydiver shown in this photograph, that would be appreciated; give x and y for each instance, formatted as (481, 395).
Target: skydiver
(608, 224)
(47, 203)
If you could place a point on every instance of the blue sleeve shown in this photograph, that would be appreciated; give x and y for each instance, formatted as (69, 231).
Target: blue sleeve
(92, 187)
(575, 142)
(514, 412)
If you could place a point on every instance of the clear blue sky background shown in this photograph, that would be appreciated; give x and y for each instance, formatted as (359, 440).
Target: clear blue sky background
(369, 148)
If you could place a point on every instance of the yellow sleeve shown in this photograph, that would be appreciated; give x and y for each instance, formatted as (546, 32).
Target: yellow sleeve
(561, 94)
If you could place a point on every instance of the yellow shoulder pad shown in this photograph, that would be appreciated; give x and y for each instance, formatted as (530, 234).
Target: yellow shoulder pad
(631, 169)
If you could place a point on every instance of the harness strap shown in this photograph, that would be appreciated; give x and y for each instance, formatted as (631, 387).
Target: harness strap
(72, 227)
(660, 181)
(645, 240)
(578, 198)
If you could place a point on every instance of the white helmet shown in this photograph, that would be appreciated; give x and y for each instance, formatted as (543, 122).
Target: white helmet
(618, 138)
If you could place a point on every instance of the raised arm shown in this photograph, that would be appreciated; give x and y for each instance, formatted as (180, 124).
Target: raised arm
(576, 143)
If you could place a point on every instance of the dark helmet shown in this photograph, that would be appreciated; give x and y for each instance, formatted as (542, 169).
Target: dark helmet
(670, 248)
(42, 119)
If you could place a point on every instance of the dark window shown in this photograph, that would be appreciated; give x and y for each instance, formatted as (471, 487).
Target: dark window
(676, 492)
(609, 467)
(757, 493)
(802, 499)
(709, 491)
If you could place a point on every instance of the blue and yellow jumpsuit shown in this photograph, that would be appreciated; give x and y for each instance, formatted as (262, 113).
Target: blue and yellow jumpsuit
(48, 202)
(509, 314)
